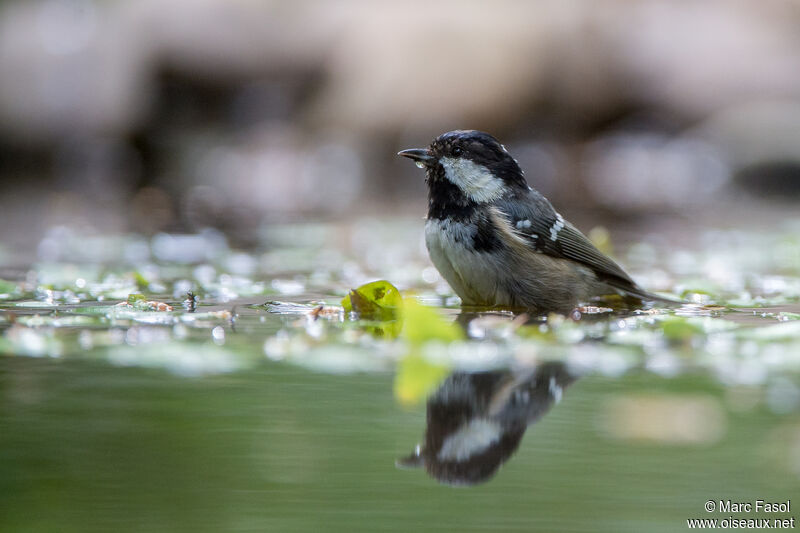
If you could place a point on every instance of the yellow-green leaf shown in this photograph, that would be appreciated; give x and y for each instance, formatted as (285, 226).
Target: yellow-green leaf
(422, 324)
(378, 300)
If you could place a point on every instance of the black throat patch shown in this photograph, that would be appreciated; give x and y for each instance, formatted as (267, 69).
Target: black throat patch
(447, 202)
(445, 199)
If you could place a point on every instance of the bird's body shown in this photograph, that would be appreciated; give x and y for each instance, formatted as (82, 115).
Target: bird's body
(494, 280)
(498, 242)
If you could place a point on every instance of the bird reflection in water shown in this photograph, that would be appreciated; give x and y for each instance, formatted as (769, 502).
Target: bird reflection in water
(476, 420)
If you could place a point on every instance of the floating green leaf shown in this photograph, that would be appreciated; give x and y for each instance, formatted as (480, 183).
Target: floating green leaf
(378, 300)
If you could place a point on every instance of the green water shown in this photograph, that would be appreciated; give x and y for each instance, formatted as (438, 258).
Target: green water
(239, 416)
(85, 447)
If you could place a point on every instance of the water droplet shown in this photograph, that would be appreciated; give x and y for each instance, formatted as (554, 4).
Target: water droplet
(420, 164)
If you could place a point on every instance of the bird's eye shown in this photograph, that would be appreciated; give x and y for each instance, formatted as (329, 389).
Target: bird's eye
(457, 151)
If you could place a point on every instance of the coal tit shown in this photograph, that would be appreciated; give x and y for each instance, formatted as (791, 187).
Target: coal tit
(498, 242)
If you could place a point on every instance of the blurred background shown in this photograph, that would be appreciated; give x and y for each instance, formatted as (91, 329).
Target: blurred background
(219, 154)
(148, 116)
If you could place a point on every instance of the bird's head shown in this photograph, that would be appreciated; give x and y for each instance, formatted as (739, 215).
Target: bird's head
(473, 161)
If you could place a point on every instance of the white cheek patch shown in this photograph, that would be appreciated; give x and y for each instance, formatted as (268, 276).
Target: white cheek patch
(469, 440)
(477, 183)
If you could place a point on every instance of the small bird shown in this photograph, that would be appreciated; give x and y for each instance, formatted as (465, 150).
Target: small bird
(498, 242)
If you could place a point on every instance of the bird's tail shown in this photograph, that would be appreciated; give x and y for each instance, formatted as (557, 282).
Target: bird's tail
(632, 290)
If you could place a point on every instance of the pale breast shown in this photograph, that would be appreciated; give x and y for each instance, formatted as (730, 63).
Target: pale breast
(474, 276)
(504, 277)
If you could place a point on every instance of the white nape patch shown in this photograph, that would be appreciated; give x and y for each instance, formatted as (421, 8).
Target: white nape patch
(522, 224)
(474, 180)
(469, 440)
(555, 390)
(557, 226)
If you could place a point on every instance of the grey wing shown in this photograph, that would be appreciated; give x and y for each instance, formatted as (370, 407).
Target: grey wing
(545, 231)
